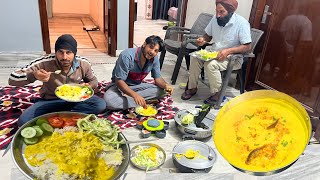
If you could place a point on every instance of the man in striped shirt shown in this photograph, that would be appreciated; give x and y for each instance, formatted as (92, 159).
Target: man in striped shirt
(69, 68)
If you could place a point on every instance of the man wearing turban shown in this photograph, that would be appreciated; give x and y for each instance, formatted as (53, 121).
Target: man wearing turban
(63, 67)
(230, 34)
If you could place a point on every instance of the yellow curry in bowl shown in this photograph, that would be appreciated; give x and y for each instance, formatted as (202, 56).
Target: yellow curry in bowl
(260, 134)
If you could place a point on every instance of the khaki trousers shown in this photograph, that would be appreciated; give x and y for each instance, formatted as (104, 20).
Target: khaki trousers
(212, 69)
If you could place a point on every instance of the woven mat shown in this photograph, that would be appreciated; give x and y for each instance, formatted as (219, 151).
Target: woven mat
(22, 98)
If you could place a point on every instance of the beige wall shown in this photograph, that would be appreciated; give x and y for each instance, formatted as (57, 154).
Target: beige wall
(70, 6)
(194, 8)
(96, 12)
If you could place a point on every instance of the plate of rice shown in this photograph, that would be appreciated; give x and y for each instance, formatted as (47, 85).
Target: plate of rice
(74, 92)
(149, 111)
(72, 152)
(147, 156)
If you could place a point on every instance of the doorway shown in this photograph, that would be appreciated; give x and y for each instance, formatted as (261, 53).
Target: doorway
(151, 18)
(289, 58)
(85, 23)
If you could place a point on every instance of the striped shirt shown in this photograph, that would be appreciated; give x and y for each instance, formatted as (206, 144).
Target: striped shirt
(80, 71)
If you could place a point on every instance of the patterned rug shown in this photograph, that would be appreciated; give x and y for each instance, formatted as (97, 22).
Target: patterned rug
(14, 100)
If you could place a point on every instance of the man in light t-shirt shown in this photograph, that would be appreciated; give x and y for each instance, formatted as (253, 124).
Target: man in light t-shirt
(230, 34)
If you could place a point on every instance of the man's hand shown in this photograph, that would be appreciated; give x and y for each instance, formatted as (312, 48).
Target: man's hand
(168, 89)
(200, 41)
(42, 75)
(223, 55)
(140, 100)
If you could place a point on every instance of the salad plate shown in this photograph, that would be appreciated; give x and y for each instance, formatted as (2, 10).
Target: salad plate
(147, 156)
(205, 55)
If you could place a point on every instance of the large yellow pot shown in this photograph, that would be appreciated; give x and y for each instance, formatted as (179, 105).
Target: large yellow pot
(262, 132)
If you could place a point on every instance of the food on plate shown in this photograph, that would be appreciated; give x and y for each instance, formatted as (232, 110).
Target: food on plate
(147, 157)
(5, 131)
(59, 122)
(88, 150)
(261, 135)
(28, 132)
(207, 55)
(6, 103)
(187, 119)
(75, 92)
(149, 111)
(189, 154)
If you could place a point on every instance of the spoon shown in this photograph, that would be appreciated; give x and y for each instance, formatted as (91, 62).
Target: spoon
(210, 156)
(187, 155)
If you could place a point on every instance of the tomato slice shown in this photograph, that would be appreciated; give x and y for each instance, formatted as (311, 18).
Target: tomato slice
(55, 122)
(70, 122)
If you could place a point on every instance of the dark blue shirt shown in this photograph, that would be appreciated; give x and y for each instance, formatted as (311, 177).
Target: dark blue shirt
(128, 68)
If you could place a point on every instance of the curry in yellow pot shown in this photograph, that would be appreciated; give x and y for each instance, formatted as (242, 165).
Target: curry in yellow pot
(260, 135)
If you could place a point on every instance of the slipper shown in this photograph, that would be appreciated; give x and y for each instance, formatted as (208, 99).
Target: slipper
(212, 101)
(187, 94)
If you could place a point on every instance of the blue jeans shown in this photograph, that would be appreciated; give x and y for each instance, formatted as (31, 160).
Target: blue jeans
(116, 100)
(94, 105)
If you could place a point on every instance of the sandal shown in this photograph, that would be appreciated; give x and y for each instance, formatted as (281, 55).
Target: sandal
(210, 100)
(188, 94)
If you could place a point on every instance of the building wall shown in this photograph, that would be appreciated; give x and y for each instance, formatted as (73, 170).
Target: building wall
(70, 6)
(20, 26)
(194, 8)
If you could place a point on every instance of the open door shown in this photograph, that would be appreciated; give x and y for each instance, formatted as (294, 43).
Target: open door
(111, 10)
(111, 28)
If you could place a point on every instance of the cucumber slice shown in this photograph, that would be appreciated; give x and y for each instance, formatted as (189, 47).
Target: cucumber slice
(39, 131)
(28, 132)
(46, 127)
(41, 121)
(30, 141)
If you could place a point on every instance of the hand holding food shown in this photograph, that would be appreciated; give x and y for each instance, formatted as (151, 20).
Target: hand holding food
(169, 89)
(140, 101)
(200, 41)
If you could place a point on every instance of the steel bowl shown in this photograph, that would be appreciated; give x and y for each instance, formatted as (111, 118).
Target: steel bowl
(192, 130)
(287, 102)
(18, 147)
(197, 164)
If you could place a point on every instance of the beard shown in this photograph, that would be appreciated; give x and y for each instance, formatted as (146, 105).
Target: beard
(65, 63)
(144, 53)
(222, 21)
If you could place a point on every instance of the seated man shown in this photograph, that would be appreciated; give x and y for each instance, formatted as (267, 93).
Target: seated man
(73, 69)
(230, 34)
(132, 66)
